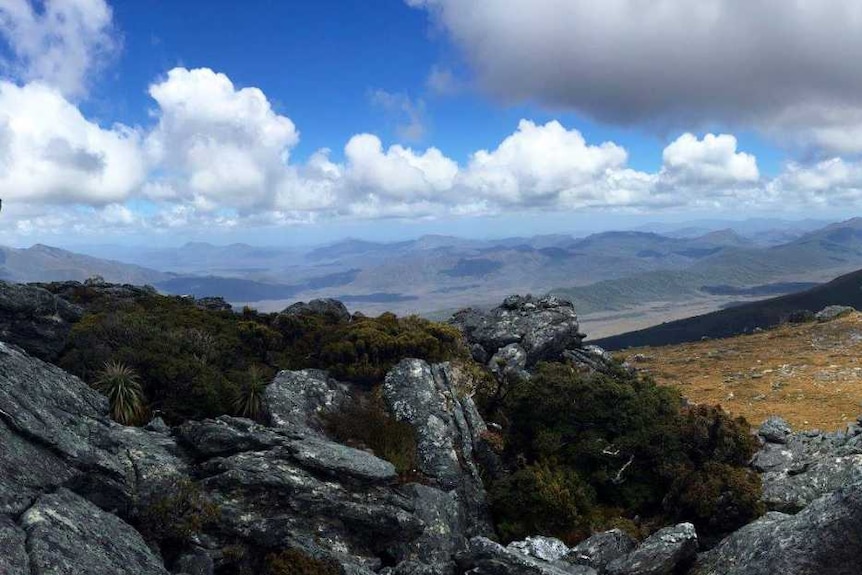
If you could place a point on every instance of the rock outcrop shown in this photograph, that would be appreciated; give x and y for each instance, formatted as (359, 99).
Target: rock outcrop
(331, 309)
(35, 319)
(541, 327)
(798, 468)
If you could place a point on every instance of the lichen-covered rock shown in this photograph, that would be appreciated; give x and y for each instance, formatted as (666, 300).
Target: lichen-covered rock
(590, 359)
(774, 430)
(341, 462)
(448, 431)
(330, 308)
(822, 539)
(35, 319)
(485, 557)
(602, 548)
(13, 551)
(296, 399)
(665, 552)
(800, 467)
(543, 327)
(509, 360)
(67, 535)
(544, 548)
(833, 312)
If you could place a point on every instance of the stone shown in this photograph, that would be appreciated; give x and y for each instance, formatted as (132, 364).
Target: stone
(485, 557)
(296, 399)
(543, 327)
(329, 308)
(832, 312)
(600, 549)
(67, 535)
(823, 538)
(13, 551)
(509, 360)
(665, 552)
(774, 430)
(340, 461)
(544, 548)
(35, 320)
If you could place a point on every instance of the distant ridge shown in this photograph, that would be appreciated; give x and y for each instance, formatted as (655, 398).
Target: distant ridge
(844, 290)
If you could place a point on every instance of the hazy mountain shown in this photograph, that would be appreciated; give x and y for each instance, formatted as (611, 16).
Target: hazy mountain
(41, 263)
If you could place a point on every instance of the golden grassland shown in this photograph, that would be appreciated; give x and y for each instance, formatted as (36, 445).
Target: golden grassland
(810, 374)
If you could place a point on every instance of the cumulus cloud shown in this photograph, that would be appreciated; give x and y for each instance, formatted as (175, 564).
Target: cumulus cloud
(60, 43)
(216, 143)
(776, 66)
(50, 153)
(713, 161)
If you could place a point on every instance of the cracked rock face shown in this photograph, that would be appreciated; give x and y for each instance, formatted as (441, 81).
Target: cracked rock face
(542, 327)
(35, 319)
(296, 399)
(798, 468)
(821, 539)
(67, 535)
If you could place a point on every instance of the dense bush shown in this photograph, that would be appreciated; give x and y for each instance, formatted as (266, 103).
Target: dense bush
(634, 444)
(367, 424)
(194, 363)
(181, 512)
(295, 562)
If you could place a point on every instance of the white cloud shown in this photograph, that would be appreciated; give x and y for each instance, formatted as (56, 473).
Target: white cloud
(537, 163)
(775, 66)
(60, 43)
(713, 160)
(221, 144)
(50, 153)
(442, 81)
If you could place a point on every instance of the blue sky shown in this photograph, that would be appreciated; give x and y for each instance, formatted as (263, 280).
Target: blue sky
(155, 120)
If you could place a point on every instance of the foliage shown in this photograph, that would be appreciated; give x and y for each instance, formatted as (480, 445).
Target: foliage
(366, 423)
(542, 498)
(122, 386)
(296, 562)
(635, 445)
(195, 363)
(249, 400)
(177, 515)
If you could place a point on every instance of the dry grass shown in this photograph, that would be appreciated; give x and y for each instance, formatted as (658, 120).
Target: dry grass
(810, 374)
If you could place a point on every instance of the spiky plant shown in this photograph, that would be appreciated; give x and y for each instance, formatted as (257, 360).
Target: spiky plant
(249, 399)
(122, 386)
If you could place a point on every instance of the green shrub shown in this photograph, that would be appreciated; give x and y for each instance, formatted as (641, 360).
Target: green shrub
(296, 562)
(542, 499)
(638, 449)
(249, 399)
(180, 512)
(122, 386)
(367, 424)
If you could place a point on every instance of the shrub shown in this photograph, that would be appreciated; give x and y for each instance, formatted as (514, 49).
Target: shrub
(180, 512)
(296, 562)
(121, 385)
(542, 499)
(367, 424)
(249, 399)
(637, 448)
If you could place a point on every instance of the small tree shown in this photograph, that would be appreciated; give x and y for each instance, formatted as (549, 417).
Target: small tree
(122, 386)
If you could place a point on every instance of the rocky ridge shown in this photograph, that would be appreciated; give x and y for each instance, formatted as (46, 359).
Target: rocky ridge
(73, 484)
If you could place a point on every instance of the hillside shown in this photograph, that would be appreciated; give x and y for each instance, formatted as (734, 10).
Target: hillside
(810, 374)
(844, 290)
(41, 263)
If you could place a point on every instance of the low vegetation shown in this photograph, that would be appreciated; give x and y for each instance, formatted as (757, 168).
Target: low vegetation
(191, 363)
(591, 449)
(295, 562)
(177, 515)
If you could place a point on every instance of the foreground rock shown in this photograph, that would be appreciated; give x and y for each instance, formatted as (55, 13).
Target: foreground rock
(801, 467)
(67, 535)
(667, 551)
(542, 327)
(823, 539)
(35, 319)
(485, 557)
(601, 549)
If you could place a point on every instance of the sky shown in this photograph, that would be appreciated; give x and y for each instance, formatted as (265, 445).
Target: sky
(284, 122)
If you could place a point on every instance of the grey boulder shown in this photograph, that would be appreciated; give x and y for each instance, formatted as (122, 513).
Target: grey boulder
(600, 549)
(35, 319)
(665, 552)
